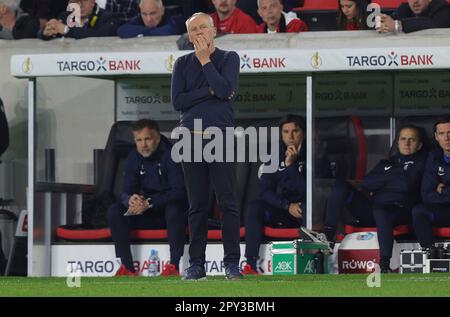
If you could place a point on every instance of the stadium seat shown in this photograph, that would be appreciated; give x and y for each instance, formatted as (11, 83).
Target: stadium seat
(281, 233)
(318, 15)
(398, 230)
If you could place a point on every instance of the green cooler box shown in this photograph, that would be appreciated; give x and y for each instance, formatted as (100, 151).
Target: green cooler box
(298, 257)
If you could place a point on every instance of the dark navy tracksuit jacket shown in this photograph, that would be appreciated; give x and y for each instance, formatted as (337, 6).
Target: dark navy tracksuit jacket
(435, 209)
(395, 188)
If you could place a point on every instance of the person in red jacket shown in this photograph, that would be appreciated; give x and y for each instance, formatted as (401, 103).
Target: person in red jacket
(229, 19)
(352, 15)
(277, 21)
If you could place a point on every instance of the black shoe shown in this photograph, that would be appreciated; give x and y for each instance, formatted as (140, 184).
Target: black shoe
(232, 272)
(195, 273)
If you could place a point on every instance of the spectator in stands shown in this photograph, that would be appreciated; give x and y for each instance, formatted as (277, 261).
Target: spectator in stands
(153, 196)
(282, 193)
(277, 21)
(435, 210)
(151, 21)
(388, 193)
(229, 19)
(417, 15)
(95, 22)
(14, 23)
(124, 9)
(352, 15)
(44, 10)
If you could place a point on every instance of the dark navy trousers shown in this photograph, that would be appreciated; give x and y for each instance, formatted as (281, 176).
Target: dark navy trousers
(172, 216)
(198, 177)
(260, 213)
(425, 216)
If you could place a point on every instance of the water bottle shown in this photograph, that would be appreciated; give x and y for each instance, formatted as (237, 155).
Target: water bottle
(153, 263)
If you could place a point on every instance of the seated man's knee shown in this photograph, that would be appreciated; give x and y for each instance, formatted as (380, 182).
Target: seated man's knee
(254, 209)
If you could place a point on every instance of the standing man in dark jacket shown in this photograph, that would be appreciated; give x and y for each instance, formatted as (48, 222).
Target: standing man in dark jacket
(153, 196)
(204, 85)
(152, 21)
(417, 15)
(389, 192)
(95, 22)
(435, 209)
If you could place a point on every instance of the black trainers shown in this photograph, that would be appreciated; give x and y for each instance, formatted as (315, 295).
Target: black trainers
(195, 273)
(232, 272)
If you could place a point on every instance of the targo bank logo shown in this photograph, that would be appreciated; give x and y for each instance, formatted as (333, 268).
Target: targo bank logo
(392, 59)
(262, 62)
(99, 65)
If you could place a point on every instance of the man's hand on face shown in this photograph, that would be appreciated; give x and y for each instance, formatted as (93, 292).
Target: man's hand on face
(291, 155)
(295, 210)
(202, 49)
(440, 188)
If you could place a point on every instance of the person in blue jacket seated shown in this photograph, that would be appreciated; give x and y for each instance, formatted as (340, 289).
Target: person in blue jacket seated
(152, 20)
(387, 193)
(435, 210)
(153, 197)
(282, 193)
(94, 22)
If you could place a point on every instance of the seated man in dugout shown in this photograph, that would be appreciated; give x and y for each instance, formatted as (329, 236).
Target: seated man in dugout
(416, 15)
(94, 22)
(151, 21)
(276, 20)
(387, 193)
